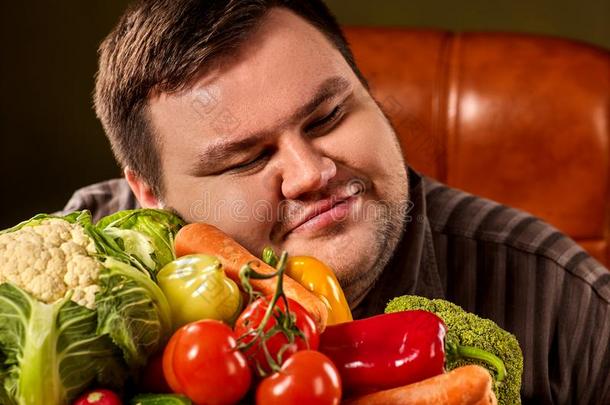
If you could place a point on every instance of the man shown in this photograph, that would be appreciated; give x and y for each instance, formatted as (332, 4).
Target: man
(252, 116)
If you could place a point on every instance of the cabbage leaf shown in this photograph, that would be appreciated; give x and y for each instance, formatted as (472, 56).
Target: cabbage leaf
(52, 351)
(133, 311)
(147, 234)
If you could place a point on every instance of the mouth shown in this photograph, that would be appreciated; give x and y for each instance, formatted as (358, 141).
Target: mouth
(323, 214)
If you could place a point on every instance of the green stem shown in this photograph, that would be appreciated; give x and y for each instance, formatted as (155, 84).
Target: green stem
(258, 335)
(269, 256)
(246, 273)
(279, 292)
(454, 351)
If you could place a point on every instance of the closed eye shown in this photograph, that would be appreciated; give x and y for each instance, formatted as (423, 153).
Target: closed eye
(259, 160)
(334, 115)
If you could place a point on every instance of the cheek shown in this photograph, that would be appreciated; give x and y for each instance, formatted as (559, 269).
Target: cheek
(242, 208)
(366, 142)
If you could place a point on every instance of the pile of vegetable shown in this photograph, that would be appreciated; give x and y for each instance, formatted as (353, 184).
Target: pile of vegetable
(191, 317)
(263, 351)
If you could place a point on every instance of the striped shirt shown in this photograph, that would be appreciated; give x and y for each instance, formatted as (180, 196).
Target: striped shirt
(498, 262)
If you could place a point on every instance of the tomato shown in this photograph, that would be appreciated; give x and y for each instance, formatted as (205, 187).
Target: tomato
(202, 362)
(98, 397)
(197, 288)
(307, 377)
(251, 318)
(168, 366)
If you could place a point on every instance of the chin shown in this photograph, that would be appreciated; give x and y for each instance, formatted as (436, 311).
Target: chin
(359, 246)
(347, 247)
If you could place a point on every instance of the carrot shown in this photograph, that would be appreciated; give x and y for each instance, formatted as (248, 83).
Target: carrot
(207, 239)
(467, 385)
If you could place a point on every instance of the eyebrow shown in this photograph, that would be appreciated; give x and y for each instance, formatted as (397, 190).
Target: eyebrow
(327, 90)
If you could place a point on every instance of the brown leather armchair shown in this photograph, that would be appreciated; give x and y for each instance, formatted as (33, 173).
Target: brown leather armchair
(520, 119)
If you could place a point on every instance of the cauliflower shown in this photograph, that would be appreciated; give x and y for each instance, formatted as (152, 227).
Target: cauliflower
(79, 306)
(51, 259)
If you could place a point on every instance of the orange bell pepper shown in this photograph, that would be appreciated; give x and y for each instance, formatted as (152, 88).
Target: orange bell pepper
(318, 278)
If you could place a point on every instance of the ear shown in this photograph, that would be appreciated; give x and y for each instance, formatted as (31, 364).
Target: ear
(142, 190)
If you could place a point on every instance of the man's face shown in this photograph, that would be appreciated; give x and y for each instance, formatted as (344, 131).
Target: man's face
(282, 146)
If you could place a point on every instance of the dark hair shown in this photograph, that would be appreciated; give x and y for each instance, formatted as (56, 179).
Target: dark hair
(162, 45)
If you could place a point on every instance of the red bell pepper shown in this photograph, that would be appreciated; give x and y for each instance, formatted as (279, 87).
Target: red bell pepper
(386, 351)
(392, 350)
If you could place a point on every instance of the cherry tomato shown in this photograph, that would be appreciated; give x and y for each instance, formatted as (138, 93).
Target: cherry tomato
(253, 315)
(98, 397)
(308, 377)
(202, 362)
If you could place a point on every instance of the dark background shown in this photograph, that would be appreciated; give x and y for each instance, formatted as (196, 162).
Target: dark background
(50, 141)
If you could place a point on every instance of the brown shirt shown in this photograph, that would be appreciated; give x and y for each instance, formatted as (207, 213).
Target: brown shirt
(498, 262)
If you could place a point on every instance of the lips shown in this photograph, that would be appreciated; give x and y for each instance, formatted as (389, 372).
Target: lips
(320, 214)
(320, 208)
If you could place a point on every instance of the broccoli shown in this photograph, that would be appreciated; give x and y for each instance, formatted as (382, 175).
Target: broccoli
(466, 331)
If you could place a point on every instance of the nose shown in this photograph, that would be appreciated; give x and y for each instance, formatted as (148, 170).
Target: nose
(305, 169)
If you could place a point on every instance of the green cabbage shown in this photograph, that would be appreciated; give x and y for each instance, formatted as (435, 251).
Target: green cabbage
(51, 351)
(147, 235)
(132, 310)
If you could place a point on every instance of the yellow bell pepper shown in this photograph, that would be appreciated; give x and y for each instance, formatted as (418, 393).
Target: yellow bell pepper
(196, 287)
(318, 278)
